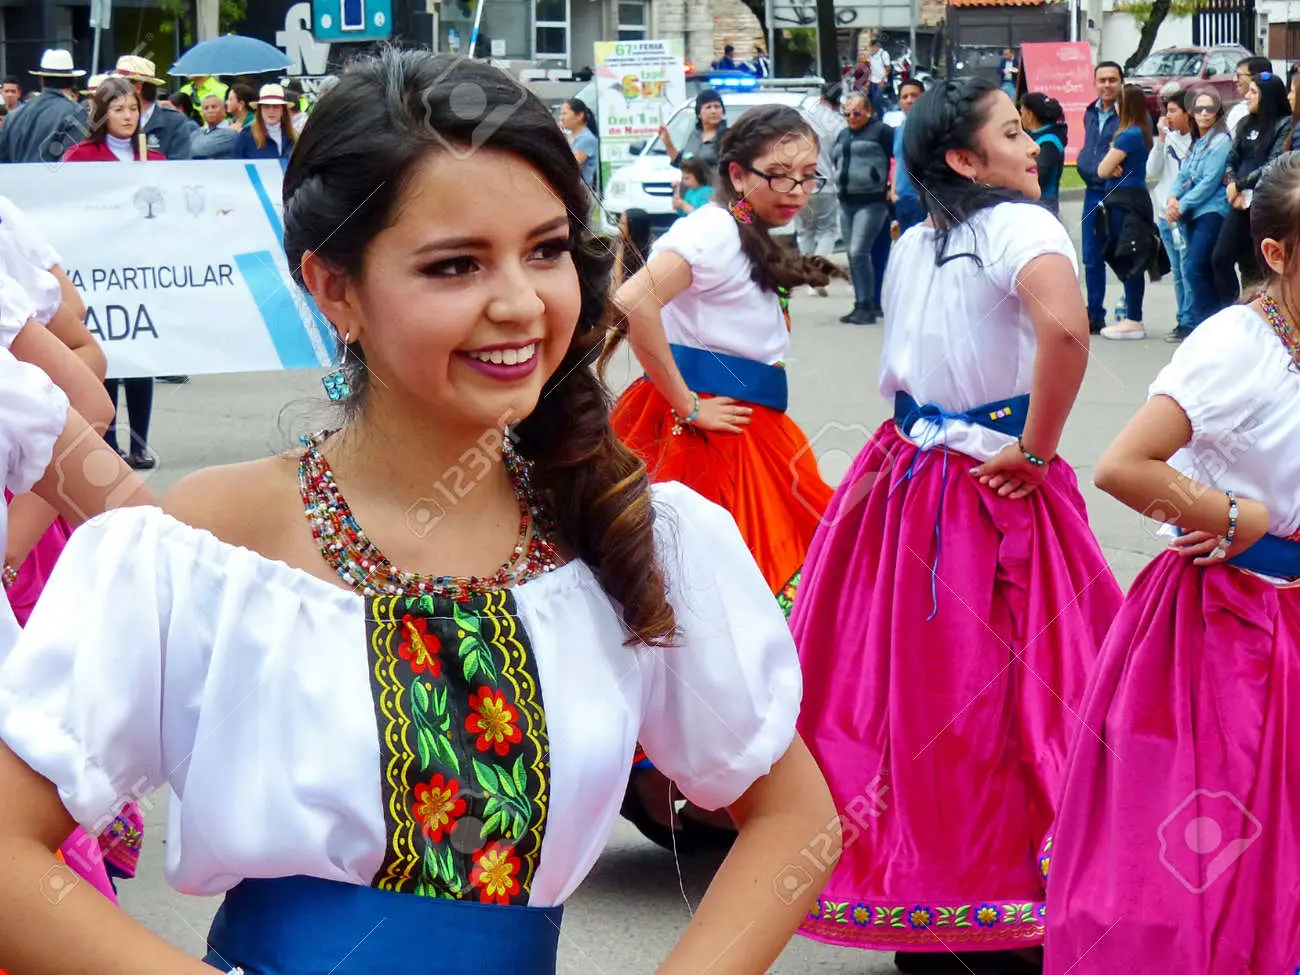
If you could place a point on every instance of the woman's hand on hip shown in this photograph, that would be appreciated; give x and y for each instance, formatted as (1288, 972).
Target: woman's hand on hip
(722, 414)
(1010, 473)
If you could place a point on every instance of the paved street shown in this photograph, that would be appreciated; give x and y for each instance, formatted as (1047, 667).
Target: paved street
(626, 916)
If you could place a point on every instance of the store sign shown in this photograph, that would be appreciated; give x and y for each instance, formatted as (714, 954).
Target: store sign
(638, 84)
(1063, 71)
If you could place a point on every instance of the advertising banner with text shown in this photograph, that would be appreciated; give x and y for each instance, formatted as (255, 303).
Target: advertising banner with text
(181, 264)
(639, 83)
(1063, 71)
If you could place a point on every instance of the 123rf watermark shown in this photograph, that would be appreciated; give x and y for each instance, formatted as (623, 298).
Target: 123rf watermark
(819, 856)
(471, 469)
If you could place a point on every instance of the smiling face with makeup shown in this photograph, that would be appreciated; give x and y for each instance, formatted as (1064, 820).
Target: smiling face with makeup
(1003, 154)
(465, 307)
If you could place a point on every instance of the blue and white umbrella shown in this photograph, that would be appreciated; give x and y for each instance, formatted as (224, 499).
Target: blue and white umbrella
(231, 54)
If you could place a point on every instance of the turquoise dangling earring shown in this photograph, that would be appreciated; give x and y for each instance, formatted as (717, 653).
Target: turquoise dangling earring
(336, 383)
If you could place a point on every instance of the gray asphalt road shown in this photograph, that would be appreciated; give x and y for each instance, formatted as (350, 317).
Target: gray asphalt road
(637, 900)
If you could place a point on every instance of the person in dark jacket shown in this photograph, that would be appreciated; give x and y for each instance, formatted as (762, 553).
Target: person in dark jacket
(1044, 119)
(1127, 221)
(270, 136)
(1262, 136)
(43, 129)
(1100, 123)
(862, 155)
(167, 130)
(706, 138)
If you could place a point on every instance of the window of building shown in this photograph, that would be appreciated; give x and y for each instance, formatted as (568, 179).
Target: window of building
(633, 20)
(551, 30)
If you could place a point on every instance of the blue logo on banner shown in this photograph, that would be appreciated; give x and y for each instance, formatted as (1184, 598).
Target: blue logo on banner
(351, 20)
(275, 300)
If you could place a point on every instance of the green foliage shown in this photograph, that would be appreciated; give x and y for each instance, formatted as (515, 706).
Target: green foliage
(230, 14)
(801, 40)
(1140, 10)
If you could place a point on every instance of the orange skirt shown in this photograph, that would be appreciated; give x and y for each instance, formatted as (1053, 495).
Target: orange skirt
(766, 477)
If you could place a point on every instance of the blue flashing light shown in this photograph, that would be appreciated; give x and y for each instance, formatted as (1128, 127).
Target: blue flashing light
(733, 80)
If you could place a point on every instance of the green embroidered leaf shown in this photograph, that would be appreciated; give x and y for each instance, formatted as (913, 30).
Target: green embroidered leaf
(881, 916)
(507, 783)
(520, 775)
(896, 917)
(442, 750)
(429, 866)
(424, 739)
(440, 700)
(447, 867)
(419, 695)
(840, 909)
(487, 778)
(943, 916)
(519, 823)
(1027, 913)
(963, 916)
(469, 622)
(495, 823)
(425, 605)
(476, 655)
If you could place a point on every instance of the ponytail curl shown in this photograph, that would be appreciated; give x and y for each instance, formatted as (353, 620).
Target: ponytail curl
(945, 118)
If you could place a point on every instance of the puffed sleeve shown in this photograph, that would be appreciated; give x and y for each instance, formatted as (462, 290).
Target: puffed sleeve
(722, 704)
(16, 309)
(40, 286)
(708, 241)
(36, 246)
(1024, 231)
(81, 693)
(1223, 372)
(33, 412)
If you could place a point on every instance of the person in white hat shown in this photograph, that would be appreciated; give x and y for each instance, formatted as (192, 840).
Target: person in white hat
(171, 133)
(46, 126)
(269, 137)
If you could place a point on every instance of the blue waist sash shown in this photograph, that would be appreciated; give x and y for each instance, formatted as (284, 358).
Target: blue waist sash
(730, 375)
(306, 926)
(1272, 555)
(1004, 416)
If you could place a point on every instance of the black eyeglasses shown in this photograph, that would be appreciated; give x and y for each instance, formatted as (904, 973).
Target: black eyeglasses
(780, 183)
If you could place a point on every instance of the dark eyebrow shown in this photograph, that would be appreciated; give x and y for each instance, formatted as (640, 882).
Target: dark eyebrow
(469, 243)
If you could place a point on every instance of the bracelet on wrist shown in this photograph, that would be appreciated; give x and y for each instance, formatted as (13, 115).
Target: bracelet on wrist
(10, 575)
(1032, 458)
(689, 420)
(1226, 540)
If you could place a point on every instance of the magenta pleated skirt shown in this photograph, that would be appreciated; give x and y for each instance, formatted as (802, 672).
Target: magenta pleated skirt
(1177, 847)
(940, 697)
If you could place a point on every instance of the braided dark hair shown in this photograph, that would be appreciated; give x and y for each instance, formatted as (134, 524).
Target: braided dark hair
(342, 186)
(759, 129)
(949, 117)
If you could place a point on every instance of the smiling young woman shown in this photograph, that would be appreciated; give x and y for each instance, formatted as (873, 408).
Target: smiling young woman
(381, 735)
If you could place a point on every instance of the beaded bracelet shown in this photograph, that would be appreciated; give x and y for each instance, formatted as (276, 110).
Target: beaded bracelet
(10, 575)
(1032, 458)
(1226, 541)
(686, 421)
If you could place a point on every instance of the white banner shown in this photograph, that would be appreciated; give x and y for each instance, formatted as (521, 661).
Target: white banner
(639, 84)
(181, 264)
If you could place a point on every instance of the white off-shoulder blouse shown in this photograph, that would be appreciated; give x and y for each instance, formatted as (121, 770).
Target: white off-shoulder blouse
(475, 750)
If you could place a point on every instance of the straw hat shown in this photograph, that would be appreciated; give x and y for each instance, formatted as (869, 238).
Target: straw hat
(135, 68)
(57, 64)
(93, 83)
(270, 95)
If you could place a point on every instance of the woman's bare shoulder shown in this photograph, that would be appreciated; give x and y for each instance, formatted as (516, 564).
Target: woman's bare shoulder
(249, 504)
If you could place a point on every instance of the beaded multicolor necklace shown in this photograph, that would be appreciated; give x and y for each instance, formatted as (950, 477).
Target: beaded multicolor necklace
(1281, 328)
(366, 570)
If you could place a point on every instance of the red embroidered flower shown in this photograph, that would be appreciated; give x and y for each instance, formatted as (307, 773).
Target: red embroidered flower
(496, 873)
(419, 646)
(437, 806)
(493, 719)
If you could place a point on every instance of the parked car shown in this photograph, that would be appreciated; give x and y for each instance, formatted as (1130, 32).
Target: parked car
(1190, 67)
(647, 183)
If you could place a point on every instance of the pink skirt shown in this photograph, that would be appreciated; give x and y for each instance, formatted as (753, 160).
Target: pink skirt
(1177, 847)
(940, 700)
(84, 854)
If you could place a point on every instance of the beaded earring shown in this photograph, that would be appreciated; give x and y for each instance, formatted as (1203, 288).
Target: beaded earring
(336, 383)
(742, 210)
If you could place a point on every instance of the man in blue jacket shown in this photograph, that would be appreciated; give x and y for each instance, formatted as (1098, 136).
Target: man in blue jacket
(1100, 123)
